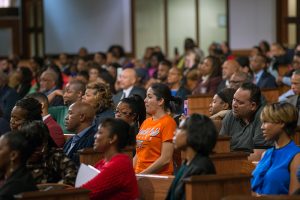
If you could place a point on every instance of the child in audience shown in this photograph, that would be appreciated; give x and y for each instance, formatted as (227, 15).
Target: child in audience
(15, 149)
(116, 179)
(276, 171)
(196, 138)
(154, 149)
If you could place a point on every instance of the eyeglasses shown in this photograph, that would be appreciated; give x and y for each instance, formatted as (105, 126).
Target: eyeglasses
(122, 113)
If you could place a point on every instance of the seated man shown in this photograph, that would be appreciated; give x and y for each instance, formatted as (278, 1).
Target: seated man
(73, 92)
(128, 79)
(262, 78)
(243, 122)
(295, 86)
(79, 120)
(55, 130)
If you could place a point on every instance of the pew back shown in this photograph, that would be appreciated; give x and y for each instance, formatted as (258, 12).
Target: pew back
(90, 157)
(153, 187)
(199, 104)
(271, 95)
(222, 145)
(269, 197)
(216, 186)
(67, 194)
(226, 163)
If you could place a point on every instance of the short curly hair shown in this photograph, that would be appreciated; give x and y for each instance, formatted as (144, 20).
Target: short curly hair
(201, 133)
(102, 94)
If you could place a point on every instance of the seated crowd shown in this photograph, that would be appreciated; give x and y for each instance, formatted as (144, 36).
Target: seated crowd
(50, 113)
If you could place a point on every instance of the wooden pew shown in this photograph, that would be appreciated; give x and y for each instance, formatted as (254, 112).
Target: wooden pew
(269, 197)
(222, 145)
(271, 95)
(153, 187)
(67, 194)
(90, 157)
(199, 104)
(210, 187)
(227, 163)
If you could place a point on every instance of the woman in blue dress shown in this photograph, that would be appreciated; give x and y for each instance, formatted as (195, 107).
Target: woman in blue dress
(276, 171)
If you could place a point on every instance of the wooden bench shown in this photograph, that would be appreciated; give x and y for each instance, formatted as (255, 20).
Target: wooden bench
(153, 187)
(271, 95)
(90, 157)
(222, 145)
(226, 163)
(269, 197)
(199, 104)
(211, 187)
(67, 194)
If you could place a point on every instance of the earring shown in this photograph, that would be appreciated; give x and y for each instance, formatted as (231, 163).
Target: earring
(11, 168)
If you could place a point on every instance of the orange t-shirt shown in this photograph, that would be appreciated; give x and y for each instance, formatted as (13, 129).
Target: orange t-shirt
(149, 143)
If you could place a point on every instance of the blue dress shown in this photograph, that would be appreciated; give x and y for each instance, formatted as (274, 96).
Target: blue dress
(272, 176)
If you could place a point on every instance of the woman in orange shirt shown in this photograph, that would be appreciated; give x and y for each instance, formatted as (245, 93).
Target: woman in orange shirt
(154, 149)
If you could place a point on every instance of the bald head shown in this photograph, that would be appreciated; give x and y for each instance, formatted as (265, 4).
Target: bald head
(228, 68)
(80, 116)
(128, 78)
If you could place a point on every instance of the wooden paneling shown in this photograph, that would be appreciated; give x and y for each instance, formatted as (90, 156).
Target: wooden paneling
(199, 104)
(210, 187)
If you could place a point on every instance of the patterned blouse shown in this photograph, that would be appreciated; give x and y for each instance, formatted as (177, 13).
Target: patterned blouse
(53, 167)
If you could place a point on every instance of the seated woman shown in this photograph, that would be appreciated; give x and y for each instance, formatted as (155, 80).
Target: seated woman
(48, 164)
(276, 171)
(210, 71)
(220, 105)
(154, 149)
(132, 110)
(14, 176)
(99, 96)
(196, 138)
(116, 179)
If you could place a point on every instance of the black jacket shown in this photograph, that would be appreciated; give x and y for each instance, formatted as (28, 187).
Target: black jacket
(20, 181)
(199, 165)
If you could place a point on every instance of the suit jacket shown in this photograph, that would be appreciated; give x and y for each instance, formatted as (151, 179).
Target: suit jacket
(56, 132)
(4, 126)
(86, 141)
(135, 90)
(20, 181)
(8, 99)
(199, 165)
(293, 100)
(266, 81)
(208, 87)
(221, 85)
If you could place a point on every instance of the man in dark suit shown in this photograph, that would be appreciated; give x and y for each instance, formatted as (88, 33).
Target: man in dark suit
(228, 68)
(79, 120)
(262, 78)
(55, 130)
(295, 86)
(127, 80)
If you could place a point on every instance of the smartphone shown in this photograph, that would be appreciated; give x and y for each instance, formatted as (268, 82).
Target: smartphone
(185, 107)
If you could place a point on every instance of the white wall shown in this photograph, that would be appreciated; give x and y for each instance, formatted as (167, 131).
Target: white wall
(95, 24)
(251, 21)
(210, 12)
(5, 41)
